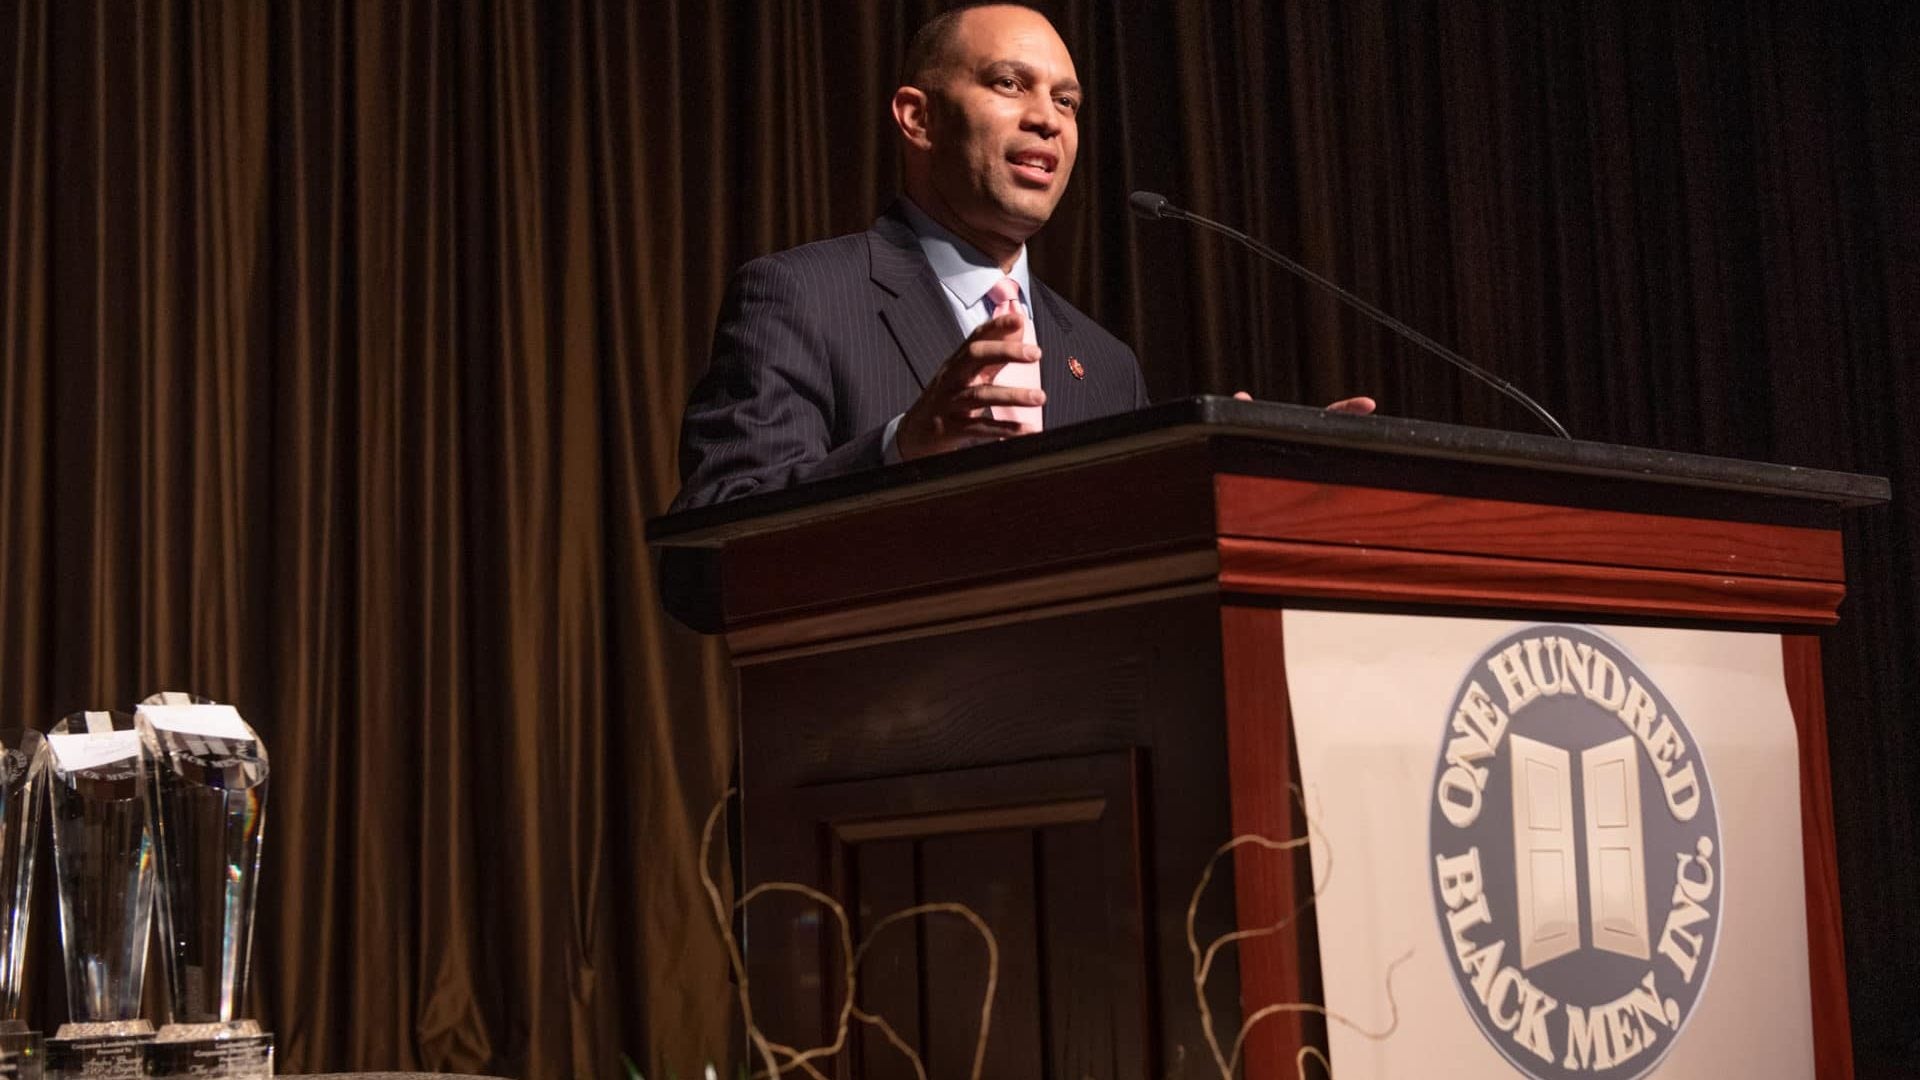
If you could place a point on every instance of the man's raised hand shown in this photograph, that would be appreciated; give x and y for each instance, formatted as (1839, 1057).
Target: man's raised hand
(956, 408)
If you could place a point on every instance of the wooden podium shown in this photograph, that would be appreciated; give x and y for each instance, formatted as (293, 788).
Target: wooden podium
(1038, 678)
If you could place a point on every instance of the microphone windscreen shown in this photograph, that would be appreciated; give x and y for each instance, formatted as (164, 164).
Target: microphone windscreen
(1147, 204)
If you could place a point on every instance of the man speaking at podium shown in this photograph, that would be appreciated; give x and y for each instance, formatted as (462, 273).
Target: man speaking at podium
(927, 332)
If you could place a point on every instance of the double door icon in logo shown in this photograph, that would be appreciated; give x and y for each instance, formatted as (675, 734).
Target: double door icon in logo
(1576, 856)
(1546, 859)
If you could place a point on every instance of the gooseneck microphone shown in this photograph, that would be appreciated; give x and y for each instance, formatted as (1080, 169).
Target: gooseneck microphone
(1149, 205)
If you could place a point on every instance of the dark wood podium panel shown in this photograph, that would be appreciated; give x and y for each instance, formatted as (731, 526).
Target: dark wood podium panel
(1063, 899)
(1066, 777)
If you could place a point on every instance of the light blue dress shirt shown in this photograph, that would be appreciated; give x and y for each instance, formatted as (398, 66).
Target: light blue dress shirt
(965, 277)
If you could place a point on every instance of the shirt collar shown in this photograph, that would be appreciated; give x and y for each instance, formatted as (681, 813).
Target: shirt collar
(960, 266)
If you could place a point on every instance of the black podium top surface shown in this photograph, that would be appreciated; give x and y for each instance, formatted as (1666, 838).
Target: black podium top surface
(1279, 427)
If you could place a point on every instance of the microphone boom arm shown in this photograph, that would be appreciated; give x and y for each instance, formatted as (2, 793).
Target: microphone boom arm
(1148, 205)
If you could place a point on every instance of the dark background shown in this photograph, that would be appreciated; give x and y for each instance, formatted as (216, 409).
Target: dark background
(342, 348)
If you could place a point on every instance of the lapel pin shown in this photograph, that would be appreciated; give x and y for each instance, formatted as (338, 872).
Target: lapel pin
(1078, 369)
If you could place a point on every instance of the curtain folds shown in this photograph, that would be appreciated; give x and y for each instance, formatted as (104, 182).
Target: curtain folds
(343, 344)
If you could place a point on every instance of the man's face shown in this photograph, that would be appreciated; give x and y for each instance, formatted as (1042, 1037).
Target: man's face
(1003, 123)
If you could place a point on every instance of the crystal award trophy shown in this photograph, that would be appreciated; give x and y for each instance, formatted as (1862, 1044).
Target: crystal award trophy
(206, 782)
(20, 773)
(103, 866)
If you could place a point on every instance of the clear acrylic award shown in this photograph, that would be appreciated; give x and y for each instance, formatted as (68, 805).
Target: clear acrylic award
(20, 806)
(103, 866)
(205, 772)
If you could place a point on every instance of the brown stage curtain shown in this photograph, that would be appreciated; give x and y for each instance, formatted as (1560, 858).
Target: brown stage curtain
(343, 345)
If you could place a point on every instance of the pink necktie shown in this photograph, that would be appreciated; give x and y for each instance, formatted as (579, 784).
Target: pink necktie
(1005, 297)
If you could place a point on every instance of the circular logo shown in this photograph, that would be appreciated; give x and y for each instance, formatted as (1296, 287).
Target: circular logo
(1575, 856)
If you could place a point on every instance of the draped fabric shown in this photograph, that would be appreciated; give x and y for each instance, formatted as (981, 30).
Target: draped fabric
(343, 345)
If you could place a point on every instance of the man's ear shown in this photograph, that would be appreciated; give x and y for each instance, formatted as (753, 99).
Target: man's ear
(911, 109)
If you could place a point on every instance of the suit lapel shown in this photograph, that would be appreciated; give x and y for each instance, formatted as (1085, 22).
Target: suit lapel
(914, 308)
(1053, 331)
(911, 303)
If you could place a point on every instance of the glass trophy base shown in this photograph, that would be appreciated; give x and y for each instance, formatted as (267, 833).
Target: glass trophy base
(23, 1054)
(234, 1050)
(99, 1050)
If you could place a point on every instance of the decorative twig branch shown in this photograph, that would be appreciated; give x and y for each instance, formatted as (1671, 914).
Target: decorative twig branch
(1393, 1023)
(722, 917)
(776, 1056)
(1300, 1062)
(986, 1001)
(1229, 1062)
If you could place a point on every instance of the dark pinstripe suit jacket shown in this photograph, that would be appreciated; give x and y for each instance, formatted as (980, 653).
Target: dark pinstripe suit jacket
(818, 347)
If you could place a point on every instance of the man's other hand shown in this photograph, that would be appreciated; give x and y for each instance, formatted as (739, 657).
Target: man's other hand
(956, 408)
(1353, 406)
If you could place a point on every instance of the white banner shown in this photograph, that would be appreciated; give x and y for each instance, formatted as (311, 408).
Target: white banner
(1587, 837)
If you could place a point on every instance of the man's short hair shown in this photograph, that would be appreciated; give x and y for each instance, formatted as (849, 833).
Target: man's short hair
(932, 44)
